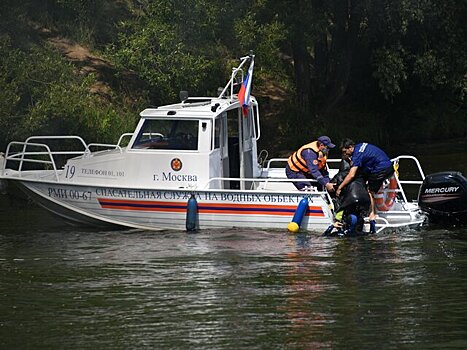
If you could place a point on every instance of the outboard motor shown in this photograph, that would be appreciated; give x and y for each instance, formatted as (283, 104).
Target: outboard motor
(443, 196)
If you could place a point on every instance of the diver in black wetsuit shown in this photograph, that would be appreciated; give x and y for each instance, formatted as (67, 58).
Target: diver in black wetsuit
(352, 205)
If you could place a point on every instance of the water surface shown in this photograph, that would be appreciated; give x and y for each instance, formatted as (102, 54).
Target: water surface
(69, 287)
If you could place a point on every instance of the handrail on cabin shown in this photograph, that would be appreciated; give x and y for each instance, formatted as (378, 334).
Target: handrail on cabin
(234, 74)
(122, 136)
(104, 145)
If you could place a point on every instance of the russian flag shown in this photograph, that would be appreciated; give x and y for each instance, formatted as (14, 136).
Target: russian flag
(244, 93)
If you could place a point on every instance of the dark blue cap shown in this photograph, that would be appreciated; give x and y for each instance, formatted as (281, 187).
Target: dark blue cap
(325, 140)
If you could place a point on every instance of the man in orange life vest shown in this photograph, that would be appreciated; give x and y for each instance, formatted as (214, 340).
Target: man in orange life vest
(309, 162)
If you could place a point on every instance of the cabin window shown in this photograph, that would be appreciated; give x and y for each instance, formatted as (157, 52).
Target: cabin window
(217, 133)
(247, 129)
(247, 126)
(168, 135)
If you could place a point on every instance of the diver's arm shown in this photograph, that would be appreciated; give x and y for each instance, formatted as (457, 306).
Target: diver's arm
(348, 179)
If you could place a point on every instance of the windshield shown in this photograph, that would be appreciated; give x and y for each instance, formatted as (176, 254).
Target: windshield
(168, 134)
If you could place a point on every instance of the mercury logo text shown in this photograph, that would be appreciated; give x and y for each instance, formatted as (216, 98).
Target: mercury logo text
(441, 190)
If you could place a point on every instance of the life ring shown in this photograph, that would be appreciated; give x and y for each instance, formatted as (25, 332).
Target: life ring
(384, 199)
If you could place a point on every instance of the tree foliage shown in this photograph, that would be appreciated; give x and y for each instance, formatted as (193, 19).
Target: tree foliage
(44, 96)
(368, 69)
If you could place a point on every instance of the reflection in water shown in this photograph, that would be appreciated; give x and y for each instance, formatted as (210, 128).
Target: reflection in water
(306, 286)
(231, 289)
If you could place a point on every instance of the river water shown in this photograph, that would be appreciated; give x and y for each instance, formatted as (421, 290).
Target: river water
(70, 287)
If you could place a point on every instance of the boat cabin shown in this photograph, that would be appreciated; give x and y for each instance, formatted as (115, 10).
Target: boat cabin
(194, 143)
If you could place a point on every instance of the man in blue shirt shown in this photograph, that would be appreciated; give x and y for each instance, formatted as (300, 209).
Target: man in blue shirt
(371, 163)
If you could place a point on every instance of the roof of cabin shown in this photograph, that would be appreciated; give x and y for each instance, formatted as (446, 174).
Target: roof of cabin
(197, 105)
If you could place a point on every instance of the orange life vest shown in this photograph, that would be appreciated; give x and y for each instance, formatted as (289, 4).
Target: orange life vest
(297, 163)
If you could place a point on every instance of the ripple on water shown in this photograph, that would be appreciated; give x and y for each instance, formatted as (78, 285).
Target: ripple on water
(230, 289)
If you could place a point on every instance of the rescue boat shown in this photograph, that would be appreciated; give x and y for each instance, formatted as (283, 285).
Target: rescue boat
(203, 149)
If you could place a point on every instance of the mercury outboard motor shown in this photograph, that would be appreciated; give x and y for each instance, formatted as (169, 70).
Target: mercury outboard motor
(443, 196)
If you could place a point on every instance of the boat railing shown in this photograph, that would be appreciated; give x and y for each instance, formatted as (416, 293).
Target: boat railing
(270, 179)
(284, 160)
(263, 180)
(122, 136)
(230, 84)
(41, 153)
(107, 145)
(400, 179)
(58, 137)
(23, 157)
(253, 180)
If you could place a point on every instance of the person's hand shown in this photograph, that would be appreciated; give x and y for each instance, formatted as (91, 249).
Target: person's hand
(338, 192)
(330, 187)
(338, 224)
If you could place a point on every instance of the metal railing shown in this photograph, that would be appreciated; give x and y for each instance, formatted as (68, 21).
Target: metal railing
(254, 180)
(122, 136)
(31, 152)
(103, 145)
(235, 71)
(394, 160)
(25, 156)
(401, 183)
(264, 180)
(20, 157)
(284, 160)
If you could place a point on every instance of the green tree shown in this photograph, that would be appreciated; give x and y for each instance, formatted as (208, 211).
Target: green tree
(45, 95)
(369, 70)
(173, 46)
(384, 61)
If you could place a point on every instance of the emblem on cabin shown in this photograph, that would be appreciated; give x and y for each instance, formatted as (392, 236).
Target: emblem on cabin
(176, 164)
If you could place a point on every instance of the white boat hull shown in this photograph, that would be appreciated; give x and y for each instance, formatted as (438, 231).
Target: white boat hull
(157, 209)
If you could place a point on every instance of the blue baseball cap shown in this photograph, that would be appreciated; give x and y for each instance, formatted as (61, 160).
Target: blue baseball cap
(325, 140)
